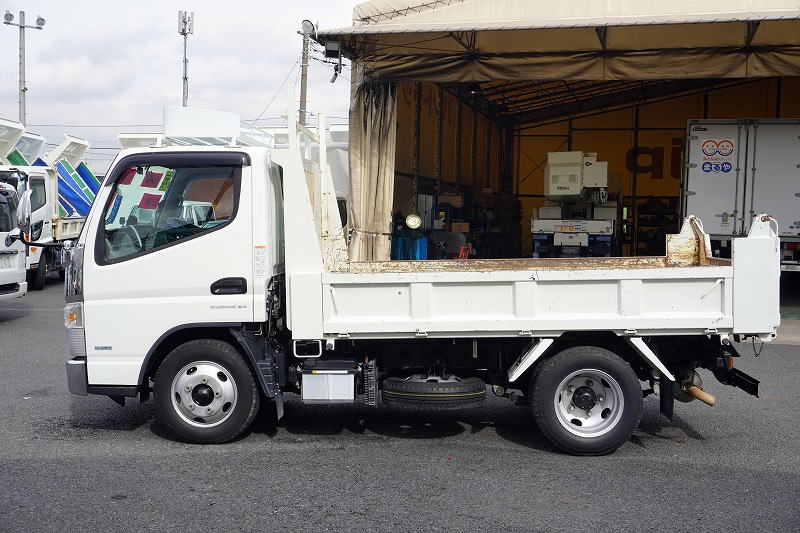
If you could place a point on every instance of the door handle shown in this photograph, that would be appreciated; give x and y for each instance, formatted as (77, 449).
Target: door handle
(229, 286)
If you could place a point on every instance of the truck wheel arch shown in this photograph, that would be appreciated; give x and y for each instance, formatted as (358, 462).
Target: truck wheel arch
(606, 340)
(178, 335)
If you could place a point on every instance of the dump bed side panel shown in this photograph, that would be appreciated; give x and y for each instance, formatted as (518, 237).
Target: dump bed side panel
(511, 303)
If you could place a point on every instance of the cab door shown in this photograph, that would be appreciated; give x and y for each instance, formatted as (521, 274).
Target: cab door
(145, 279)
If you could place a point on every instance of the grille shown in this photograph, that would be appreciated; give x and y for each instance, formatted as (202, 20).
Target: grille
(77, 343)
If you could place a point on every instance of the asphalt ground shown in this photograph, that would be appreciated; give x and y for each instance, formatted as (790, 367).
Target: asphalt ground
(71, 463)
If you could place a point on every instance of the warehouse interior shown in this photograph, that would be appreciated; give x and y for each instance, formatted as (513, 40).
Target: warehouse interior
(475, 107)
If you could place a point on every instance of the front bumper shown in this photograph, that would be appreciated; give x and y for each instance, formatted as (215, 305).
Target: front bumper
(76, 376)
(13, 290)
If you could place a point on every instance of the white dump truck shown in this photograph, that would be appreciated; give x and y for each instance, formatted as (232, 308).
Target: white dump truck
(738, 168)
(63, 189)
(218, 316)
(12, 254)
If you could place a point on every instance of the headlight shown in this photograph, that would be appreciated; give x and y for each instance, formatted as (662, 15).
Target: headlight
(73, 316)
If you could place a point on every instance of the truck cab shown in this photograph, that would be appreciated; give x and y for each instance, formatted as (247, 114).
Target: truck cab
(12, 254)
(62, 188)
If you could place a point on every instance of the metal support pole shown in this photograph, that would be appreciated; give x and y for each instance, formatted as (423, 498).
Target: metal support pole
(22, 88)
(473, 154)
(304, 79)
(185, 72)
(459, 115)
(185, 27)
(439, 135)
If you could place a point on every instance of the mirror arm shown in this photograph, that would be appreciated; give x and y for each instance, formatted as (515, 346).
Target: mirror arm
(28, 244)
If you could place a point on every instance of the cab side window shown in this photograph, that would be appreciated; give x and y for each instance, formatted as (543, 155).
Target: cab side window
(155, 206)
(38, 196)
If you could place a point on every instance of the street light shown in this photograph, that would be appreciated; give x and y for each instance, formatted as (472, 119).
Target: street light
(307, 29)
(9, 20)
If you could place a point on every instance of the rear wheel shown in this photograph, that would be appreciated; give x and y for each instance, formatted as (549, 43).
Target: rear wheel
(205, 393)
(586, 400)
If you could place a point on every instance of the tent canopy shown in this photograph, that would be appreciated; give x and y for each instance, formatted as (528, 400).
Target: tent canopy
(481, 40)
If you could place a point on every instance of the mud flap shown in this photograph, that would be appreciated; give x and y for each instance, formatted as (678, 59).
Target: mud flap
(279, 404)
(666, 396)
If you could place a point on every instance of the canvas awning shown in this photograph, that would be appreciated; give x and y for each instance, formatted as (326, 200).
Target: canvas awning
(481, 40)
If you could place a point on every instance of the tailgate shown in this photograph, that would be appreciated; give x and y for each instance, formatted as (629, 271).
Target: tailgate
(756, 280)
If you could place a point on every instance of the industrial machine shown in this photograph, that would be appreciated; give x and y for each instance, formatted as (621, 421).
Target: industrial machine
(582, 222)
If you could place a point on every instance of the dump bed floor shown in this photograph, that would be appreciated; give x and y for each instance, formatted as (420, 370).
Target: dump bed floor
(689, 248)
(489, 265)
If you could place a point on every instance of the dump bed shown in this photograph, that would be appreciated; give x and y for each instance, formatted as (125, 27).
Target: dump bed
(685, 292)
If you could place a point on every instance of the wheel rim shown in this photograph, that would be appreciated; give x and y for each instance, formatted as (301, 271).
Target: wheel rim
(589, 403)
(204, 394)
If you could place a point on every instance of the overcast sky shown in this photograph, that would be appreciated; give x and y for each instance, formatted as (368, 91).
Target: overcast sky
(109, 63)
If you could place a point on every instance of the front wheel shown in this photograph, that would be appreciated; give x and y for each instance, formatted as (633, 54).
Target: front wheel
(586, 400)
(38, 278)
(205, 392)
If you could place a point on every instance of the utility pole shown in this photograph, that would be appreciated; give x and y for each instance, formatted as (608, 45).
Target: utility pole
(185, 27)
(308, 29)
(9, 20)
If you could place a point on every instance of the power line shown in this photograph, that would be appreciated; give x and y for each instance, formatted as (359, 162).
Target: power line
(274, 96)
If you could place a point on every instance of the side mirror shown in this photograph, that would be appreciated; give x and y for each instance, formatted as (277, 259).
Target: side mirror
(24, 212)
(121, 221)
(13, 235)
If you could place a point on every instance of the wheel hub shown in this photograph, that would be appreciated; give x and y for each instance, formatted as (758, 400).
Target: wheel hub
(584, 398)
(202, 395)
(589, 402)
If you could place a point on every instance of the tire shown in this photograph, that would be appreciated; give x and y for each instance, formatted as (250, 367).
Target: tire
(563, 390)
(225, 372)
(39, 278)
(420, 393)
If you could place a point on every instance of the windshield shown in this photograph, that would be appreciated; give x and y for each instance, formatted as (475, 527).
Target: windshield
(8, 211)
(6, 177)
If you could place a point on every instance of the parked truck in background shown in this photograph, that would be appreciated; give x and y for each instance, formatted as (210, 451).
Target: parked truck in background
(735, 169)
(12, 254)
(63, 191)
(215, 317)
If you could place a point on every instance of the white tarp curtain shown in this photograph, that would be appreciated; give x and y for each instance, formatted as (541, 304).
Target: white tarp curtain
(373, 125)
(449, 41)
(457, 15)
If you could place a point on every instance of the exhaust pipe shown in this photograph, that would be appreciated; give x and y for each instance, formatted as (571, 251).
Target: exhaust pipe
(692, 389)
(699, 394)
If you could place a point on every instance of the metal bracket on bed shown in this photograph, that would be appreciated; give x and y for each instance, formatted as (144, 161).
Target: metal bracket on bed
(652, 359)
(528, 358)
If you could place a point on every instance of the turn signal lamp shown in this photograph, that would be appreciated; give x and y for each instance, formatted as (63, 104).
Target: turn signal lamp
(73, 316)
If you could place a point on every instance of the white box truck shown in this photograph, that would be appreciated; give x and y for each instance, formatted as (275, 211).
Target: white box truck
(736, 169)
(63, 190)
(215, 317)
